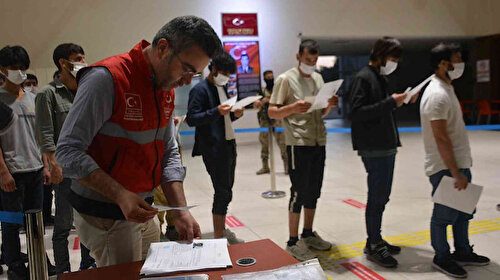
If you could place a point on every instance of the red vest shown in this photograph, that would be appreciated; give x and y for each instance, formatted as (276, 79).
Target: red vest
(130, 145)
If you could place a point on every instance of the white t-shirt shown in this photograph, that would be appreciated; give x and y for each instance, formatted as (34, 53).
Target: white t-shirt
(439, 102)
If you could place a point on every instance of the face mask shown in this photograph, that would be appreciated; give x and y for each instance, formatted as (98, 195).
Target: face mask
(269, 83)
(221, 80)
(457, 71)
(390, 66)
(30, 89)
(16, 76)
(307, 69)
(76, 67)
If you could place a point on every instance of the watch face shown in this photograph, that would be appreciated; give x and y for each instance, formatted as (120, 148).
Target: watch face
(246, 261)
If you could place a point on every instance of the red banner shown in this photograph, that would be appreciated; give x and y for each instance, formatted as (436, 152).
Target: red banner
(239, 25)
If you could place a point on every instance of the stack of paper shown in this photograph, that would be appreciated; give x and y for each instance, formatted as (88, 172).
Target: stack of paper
(165, 257)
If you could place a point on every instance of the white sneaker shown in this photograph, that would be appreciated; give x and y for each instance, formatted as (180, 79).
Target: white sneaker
(300, 251)
(316, 242)
(231, 237)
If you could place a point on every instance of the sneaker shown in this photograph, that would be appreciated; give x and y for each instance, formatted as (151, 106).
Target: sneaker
(394, 250)
(263, 170)
(231, 237)
(449, 267)
(381, 256)
(316, 242)
(18, 271)
(470, 259)
(84, 266)
(300, 251)
(1, 270)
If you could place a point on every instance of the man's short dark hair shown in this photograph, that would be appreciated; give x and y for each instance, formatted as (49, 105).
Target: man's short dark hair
(385, 47)
(443, 51)
(267, 72)
(15, 55)
(187, 31)
(64, 51)
(311, 46)
(223, 62)
(32, 77)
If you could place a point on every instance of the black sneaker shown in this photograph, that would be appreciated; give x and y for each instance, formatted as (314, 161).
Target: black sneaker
(470, 259)
(449, 267)
(18, 272)
(381, 256)
(1, 270)
(394, 250)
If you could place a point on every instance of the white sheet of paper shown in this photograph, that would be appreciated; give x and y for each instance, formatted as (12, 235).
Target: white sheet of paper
(178, 126)
(320, 100)
(167, 208)
(244, 102)
(165, 257)
(412, 91)
(231, 101)
(464, 200)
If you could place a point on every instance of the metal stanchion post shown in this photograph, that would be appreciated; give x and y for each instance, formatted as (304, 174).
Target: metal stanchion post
(37, 261)
(273, 193)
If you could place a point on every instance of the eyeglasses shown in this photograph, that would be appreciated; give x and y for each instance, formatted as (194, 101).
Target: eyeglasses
(189, 71)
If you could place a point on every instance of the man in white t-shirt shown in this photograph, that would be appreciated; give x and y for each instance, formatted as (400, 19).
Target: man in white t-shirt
(447, 153)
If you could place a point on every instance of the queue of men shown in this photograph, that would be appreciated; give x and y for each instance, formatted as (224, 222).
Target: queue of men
(103, 137)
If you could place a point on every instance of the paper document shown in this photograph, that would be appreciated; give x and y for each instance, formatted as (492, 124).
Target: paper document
(178, 127)
(308, 270)
(231, 101)
(244, 102)
(165, 257)
(320, 100)
(411, 92)
(464, 200)
(187, 277)
(167, 208)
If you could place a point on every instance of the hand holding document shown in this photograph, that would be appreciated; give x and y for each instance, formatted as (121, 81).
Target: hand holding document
(411, 92)
(245, 102)
(320, 100)
(165, 257)
(178, 126)
(461, 200)
(168, 208)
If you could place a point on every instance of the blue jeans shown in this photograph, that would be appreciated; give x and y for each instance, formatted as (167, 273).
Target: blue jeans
(380, 173)
(442, 216)
(27, 196)
(62, 226)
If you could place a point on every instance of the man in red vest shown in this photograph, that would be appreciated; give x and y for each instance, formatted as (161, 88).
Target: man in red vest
(118, 141)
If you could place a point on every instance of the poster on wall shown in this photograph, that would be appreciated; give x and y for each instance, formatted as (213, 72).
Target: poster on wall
(483, 71)
(246, 81)
(239, 25)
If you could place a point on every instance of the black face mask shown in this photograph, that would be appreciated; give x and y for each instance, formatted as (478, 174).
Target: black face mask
(269, 83)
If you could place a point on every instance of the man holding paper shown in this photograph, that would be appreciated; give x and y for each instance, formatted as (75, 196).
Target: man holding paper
(375, 137)
(210, 111)
(305, 137)
(447, 153)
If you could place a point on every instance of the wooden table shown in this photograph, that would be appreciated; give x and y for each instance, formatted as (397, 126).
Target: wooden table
(267, 253)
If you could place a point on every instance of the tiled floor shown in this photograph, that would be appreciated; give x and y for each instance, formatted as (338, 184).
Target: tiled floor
(406, 220)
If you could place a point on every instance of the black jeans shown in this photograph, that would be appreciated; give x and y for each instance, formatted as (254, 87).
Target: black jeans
(306, 165)
(221, 167)
(380, 173)
(27, 196)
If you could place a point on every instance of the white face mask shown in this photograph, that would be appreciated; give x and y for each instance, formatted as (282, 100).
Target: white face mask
(16, 76)
(457, 71)
(76, 67)
(221, 80)
(390, 66)
(307, 69)
(29, 89)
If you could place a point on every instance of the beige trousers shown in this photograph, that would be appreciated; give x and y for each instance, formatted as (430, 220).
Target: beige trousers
(115, 241)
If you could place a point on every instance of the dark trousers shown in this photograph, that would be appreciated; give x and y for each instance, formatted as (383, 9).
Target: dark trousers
(27, 196)
(380, 173)
(306, 165)
(442, 216)
(221, 167)
(47, 202)
(62, 226)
